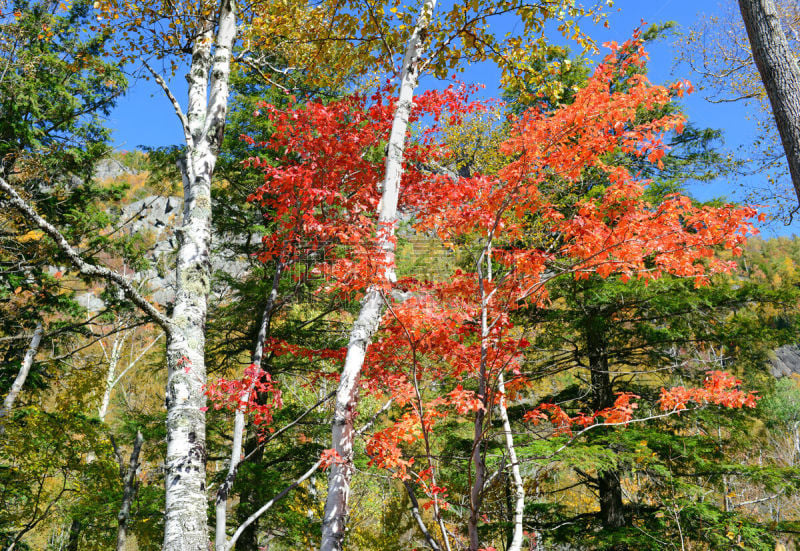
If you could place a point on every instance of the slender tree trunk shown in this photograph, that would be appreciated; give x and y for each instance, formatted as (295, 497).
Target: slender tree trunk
(479, 478)
(477, 458)
(609, 488)
(74, 538)
(130, 486)
(113, 362)
(519, 487)
(429, 539)
(336, 505)
(221, 537)
(248, 504)
(779, 68)
(185, 525)
(22, 375)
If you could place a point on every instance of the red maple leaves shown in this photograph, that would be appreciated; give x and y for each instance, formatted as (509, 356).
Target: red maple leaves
(322, 195)
(255, 393)
(719, 388)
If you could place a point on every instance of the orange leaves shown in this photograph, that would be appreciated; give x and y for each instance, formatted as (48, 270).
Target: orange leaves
(622, 410)
(330, 457)
(464, 401)
(719, 388)
(447, 338)
(620, 413)
(384, 446)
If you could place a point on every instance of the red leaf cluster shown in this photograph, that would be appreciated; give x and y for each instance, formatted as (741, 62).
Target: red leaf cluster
(719, 388)
(247, 394)
(322, 193)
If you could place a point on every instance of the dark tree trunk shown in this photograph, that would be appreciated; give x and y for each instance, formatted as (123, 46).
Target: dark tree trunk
(780, 73)
(248, 499)
(74, 535)
(129, 489)
(609, 488)
(610, 492)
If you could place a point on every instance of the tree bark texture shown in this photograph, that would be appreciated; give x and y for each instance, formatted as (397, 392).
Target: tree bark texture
(609, 488)
(334, 520)
(780, 72)
(519, 488)
(129, 489)
(185, 525)
(22, 374)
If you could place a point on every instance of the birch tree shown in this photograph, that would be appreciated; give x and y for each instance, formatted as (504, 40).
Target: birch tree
(22, 375)
(341, 473)
(200, 36)
(212, 35)
(458, 24)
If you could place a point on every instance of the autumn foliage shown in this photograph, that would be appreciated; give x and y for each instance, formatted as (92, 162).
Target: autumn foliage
(458, 335)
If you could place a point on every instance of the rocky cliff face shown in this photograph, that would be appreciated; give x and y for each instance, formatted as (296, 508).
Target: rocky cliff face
(154, 218)
(785, 361)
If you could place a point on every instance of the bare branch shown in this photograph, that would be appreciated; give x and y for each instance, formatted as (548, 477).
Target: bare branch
(264, 508)
(187, 133)
(84, 267)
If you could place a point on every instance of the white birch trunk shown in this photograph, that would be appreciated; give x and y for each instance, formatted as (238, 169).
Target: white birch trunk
(113, 361)
(334, 521)
(185, 519)
(185, 525)
(239, 421)
(22, 374)
(519, 487)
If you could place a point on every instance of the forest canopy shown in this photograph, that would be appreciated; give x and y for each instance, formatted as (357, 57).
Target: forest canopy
(372, 302)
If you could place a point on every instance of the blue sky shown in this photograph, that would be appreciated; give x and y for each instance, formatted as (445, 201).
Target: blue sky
(145, 117)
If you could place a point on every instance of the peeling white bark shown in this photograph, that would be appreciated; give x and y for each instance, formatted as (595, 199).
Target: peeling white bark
(334, 520)
(185, 525)
(519, 487)
(22, 374)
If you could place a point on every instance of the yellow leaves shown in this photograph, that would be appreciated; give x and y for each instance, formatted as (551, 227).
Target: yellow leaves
(33, 235)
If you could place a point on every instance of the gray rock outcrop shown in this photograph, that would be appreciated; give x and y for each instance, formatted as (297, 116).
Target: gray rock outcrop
(785, 361)
(154, 218)
(111, 168)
